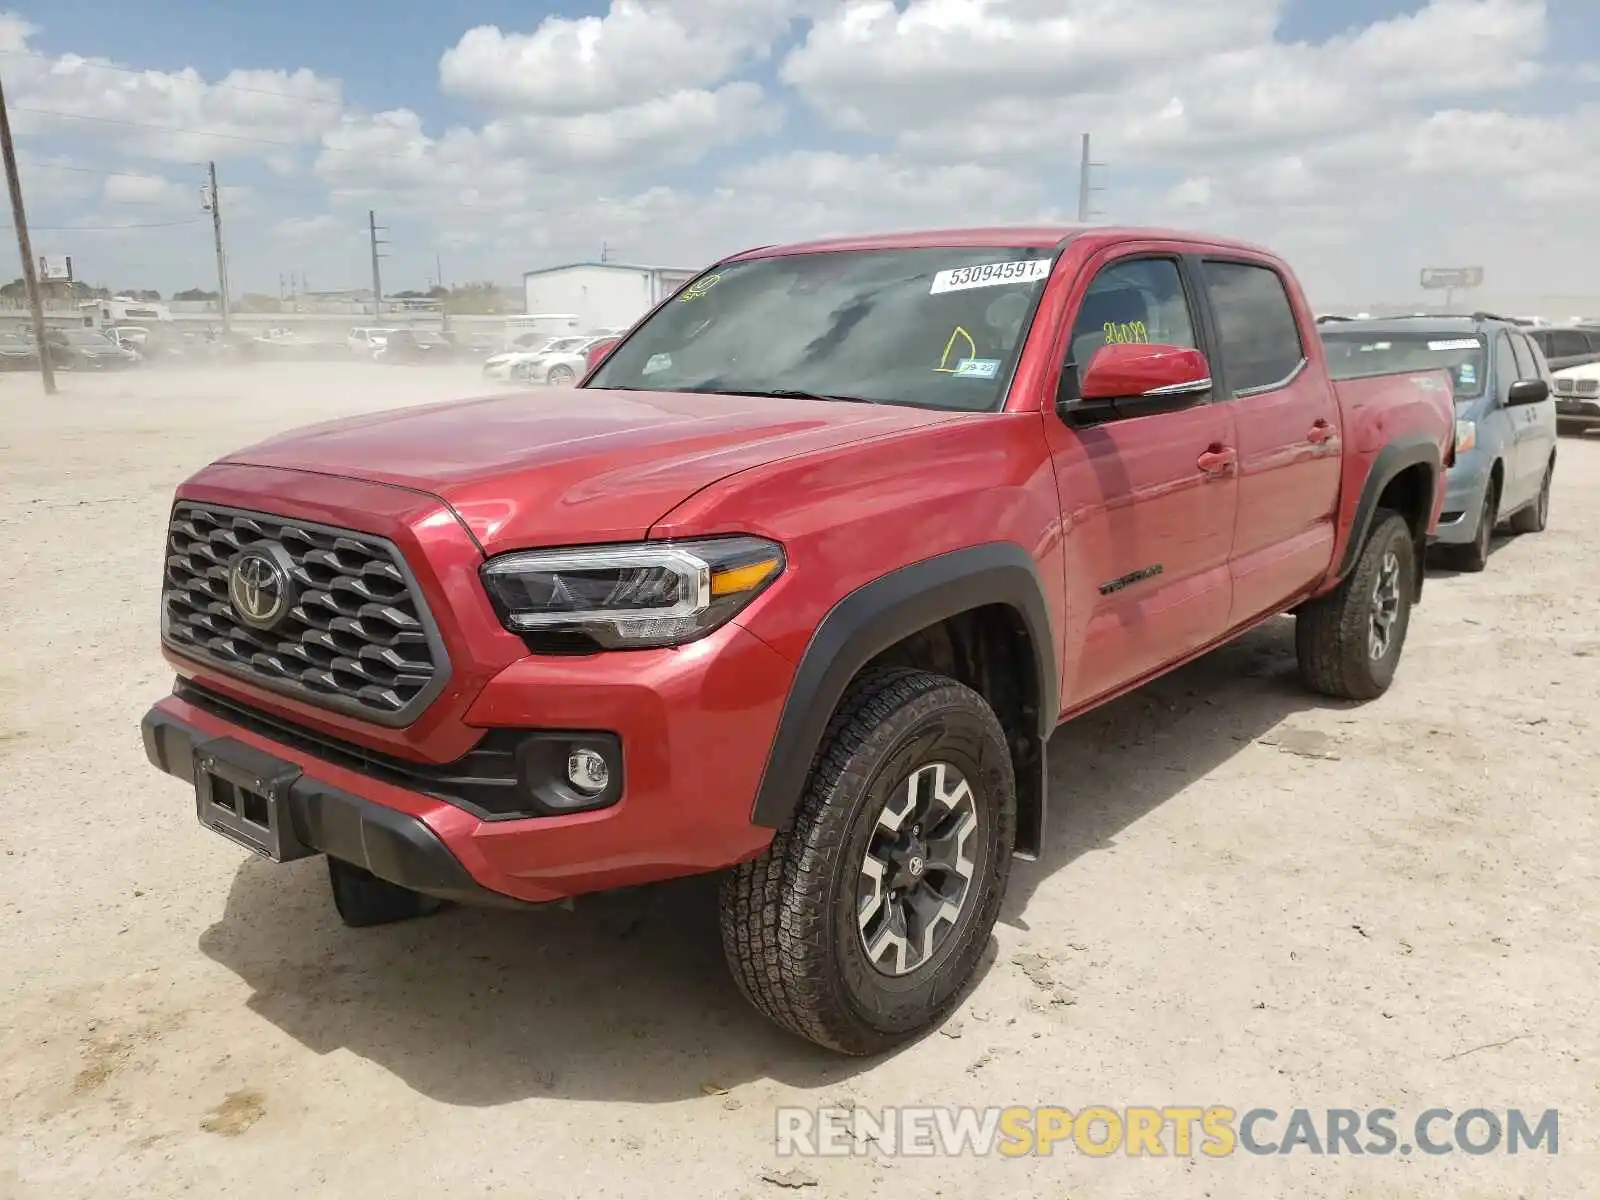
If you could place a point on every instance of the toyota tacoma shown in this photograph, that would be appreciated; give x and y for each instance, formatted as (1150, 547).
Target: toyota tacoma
(794, 586)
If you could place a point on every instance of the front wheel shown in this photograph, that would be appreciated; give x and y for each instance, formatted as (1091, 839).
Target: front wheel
(1349, 641)
(858, 927)
(561, 376)
(1474, 556)
(1534, 517)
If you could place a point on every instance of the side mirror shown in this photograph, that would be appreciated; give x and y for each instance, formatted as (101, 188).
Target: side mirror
(1135, 379)
(1528, 391)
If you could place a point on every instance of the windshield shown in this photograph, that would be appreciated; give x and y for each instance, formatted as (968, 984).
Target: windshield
(86, 337)
(1365, 352)
(937, 328)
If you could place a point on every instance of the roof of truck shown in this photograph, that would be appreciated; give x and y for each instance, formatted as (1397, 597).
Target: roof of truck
(1031, 236)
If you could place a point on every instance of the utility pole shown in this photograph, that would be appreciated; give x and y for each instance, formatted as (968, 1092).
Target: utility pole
(605, 253)
(213, 198)
(444, 310)
(1086, 187)
(19, 219)
(377, 279)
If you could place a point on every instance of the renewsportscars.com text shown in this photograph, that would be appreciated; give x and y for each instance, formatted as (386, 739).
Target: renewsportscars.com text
(1215, 1131)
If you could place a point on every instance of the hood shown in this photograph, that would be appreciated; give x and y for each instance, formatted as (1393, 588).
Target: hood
(569, 466)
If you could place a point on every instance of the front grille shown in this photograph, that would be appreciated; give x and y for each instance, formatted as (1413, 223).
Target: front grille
(355, 635)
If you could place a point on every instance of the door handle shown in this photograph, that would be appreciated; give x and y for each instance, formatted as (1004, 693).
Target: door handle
(1321, 432)
(1217, 460)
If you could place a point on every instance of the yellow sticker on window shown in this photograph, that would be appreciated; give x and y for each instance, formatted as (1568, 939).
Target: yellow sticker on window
(1118, 332)
(698, 289)
(944, 359)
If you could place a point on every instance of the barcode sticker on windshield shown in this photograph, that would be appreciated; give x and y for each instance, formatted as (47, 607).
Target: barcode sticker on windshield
(1455, 344)
(959, 279)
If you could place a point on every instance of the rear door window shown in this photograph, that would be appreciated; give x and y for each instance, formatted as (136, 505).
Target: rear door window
(1260, 338)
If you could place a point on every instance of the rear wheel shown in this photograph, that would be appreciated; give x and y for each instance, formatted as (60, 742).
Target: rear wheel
(1535, 516)
(1349, 641)
(858, 927)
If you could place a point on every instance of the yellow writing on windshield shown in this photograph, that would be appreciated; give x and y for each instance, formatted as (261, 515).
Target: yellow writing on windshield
(972, 350)
(698, 289)
(1118, 332)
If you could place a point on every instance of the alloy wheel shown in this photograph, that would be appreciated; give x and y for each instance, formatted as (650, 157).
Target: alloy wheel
(916, 876)
(1385, 606)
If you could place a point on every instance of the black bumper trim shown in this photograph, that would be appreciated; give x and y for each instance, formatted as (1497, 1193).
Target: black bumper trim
(392, 845)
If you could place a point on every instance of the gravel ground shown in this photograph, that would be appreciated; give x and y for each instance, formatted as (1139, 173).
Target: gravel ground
(1250, 898)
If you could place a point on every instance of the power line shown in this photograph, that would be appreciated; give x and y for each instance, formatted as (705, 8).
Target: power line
(226, 137)
(44, 166)
(231, 87)
(113, 228)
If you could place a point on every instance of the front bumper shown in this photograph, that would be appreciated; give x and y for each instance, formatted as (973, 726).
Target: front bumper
(1577, 411)
(1463, 501)
(392, 844)
(694, 727)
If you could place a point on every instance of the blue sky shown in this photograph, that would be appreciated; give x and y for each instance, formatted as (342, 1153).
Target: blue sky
(1253, 118)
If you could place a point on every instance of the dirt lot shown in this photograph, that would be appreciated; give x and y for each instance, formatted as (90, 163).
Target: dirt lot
(1251, 898)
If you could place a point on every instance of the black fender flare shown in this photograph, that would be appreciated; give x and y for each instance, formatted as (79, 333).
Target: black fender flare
(1399, 455)
(874, 617)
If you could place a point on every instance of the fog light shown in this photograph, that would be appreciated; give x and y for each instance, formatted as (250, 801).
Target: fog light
(587, 771)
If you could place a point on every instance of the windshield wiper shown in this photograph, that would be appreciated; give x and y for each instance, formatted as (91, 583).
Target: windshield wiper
(789, 394)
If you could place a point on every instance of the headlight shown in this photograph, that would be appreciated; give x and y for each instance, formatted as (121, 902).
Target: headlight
(1466, 436)
(632, 596)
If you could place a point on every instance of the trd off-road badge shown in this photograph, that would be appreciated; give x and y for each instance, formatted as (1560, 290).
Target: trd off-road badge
(259, 589)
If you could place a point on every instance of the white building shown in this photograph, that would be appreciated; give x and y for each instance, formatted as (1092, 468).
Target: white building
(600, 295)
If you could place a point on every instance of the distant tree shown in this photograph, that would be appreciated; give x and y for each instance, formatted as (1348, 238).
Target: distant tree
(194, 294)
(406, 295)
(145, 294)
(438, 292)
(256, 302)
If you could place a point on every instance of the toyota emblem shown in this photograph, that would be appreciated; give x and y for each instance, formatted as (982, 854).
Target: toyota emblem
(259, 589)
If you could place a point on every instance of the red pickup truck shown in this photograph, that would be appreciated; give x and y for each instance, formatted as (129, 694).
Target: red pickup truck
(795, 586)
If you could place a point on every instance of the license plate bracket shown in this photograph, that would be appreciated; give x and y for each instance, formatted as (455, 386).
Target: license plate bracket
(243, 794)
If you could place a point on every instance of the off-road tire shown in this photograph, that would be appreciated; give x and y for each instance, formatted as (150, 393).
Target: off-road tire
(1332, 633)
(789, 918)
(1534, 517)
(362, 899)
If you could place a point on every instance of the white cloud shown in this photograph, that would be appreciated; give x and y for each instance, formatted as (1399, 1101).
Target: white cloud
(656, 127)
(639, 50)
(173, 116)
(133, 188)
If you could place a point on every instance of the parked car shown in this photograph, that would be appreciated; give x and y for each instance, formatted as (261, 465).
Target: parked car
(558, 367)
(18, 352)
(1505, 418)
(510, 362)
(1577, 398)
(597, 351)
(1568, 345)
(415, 346)
(471, 345)
(84, 349)
(365, 342)
(797, 589)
